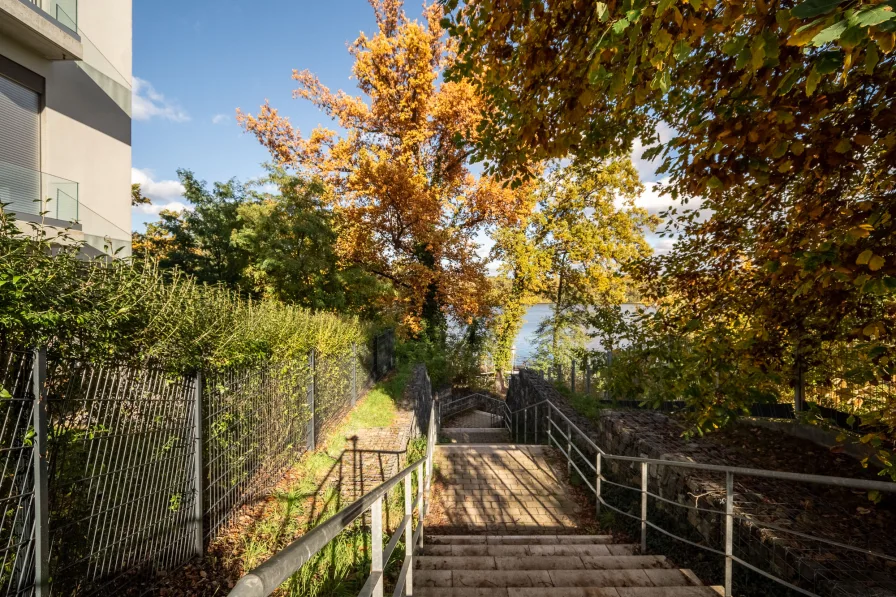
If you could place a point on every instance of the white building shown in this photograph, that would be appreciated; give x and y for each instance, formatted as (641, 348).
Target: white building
(65, 116)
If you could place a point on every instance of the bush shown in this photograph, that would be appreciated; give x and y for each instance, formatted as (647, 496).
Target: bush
(124, 311)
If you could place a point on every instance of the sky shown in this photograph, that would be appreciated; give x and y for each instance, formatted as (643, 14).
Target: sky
(196, 62)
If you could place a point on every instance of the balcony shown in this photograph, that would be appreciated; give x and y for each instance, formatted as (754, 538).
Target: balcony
(34, 196)
(50, 27)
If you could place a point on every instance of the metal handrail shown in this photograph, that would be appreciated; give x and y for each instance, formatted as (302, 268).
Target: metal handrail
(267, 577)
(554, 429)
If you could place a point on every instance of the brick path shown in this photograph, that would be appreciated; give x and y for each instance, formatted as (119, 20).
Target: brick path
(374, 455)
(501, 489)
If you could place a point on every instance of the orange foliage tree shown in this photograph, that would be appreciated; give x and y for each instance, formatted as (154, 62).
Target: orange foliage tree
(408, 206)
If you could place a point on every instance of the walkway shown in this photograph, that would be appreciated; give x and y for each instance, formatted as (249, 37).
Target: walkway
(501, 489)
(504, 522)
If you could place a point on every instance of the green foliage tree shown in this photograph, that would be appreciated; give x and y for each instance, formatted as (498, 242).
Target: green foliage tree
(289, 239)
(198, 241)
(584, 228)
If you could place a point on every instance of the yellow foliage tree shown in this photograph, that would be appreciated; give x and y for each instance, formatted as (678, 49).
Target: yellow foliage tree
(408, 206)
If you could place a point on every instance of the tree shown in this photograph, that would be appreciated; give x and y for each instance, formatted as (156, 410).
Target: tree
(585, 227)
(290, 244)
(407, 205)
(198, 241)
(782, 126)
(137, 196)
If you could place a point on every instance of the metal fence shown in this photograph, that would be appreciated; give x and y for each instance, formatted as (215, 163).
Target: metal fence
(113, 473)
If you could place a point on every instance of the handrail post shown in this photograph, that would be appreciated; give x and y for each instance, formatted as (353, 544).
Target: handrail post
(597, 468)
(550, 424)
(643, 508)
(41, 475)
(536, 425)
(729, 531)
(376, 545)
(409, 536)
(525, 425)
(568, 450)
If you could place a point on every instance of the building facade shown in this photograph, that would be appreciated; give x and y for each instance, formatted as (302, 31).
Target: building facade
(65, 117)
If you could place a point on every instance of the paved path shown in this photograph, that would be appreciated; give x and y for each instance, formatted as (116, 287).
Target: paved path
(374, 455)
(500, 489)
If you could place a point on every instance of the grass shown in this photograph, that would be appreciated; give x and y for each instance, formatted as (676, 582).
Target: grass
(588, 406)
(307, 498)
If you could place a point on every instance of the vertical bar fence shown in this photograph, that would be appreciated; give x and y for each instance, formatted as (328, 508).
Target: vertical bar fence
(113, 473)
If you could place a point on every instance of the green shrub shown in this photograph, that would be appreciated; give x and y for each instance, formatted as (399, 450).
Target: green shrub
(134, 312)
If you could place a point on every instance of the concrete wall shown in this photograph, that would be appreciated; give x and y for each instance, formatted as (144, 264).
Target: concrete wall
(85, 132)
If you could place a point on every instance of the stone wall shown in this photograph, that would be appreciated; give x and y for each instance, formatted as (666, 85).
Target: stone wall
(695, 498)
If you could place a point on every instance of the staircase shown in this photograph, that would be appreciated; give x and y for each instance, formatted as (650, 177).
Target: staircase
(547, 566)
(504, 522)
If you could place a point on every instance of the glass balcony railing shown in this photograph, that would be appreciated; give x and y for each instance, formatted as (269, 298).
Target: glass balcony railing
(27, 191)
(64, 11)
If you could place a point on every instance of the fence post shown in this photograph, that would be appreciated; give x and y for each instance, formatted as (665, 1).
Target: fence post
(643, 508)
(41, 475)
(607, 375)
(587, 366)
(729, 531)
(354, 373)
(198, 468)
(376, 544)
(799, 392)
(311, 406)
(597, 468)
(572, 376)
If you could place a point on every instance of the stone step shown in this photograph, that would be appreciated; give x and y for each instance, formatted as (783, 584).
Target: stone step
(668, 577)
(519, 540)
(570, 592)
(541, 562)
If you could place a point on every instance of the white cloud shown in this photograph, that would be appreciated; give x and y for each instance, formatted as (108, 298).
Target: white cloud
(220, 118)
(149, 103)
(154, 209)
(647, 168)
(165, 194)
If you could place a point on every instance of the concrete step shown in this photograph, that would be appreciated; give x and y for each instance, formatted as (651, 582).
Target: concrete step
(570, 592)
(585, 549)
(518, 539)
(669, 577)
(541, 562)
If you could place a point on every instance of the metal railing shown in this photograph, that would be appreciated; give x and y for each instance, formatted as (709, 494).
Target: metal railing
(526, 425)
(497, 409)
(267, 577)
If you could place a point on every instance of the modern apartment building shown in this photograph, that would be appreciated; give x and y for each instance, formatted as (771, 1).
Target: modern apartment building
(65, 117)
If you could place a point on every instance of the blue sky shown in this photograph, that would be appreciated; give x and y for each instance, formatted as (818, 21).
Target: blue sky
(196, 62)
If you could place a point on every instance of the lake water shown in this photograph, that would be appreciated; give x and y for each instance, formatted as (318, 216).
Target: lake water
(525, 340)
